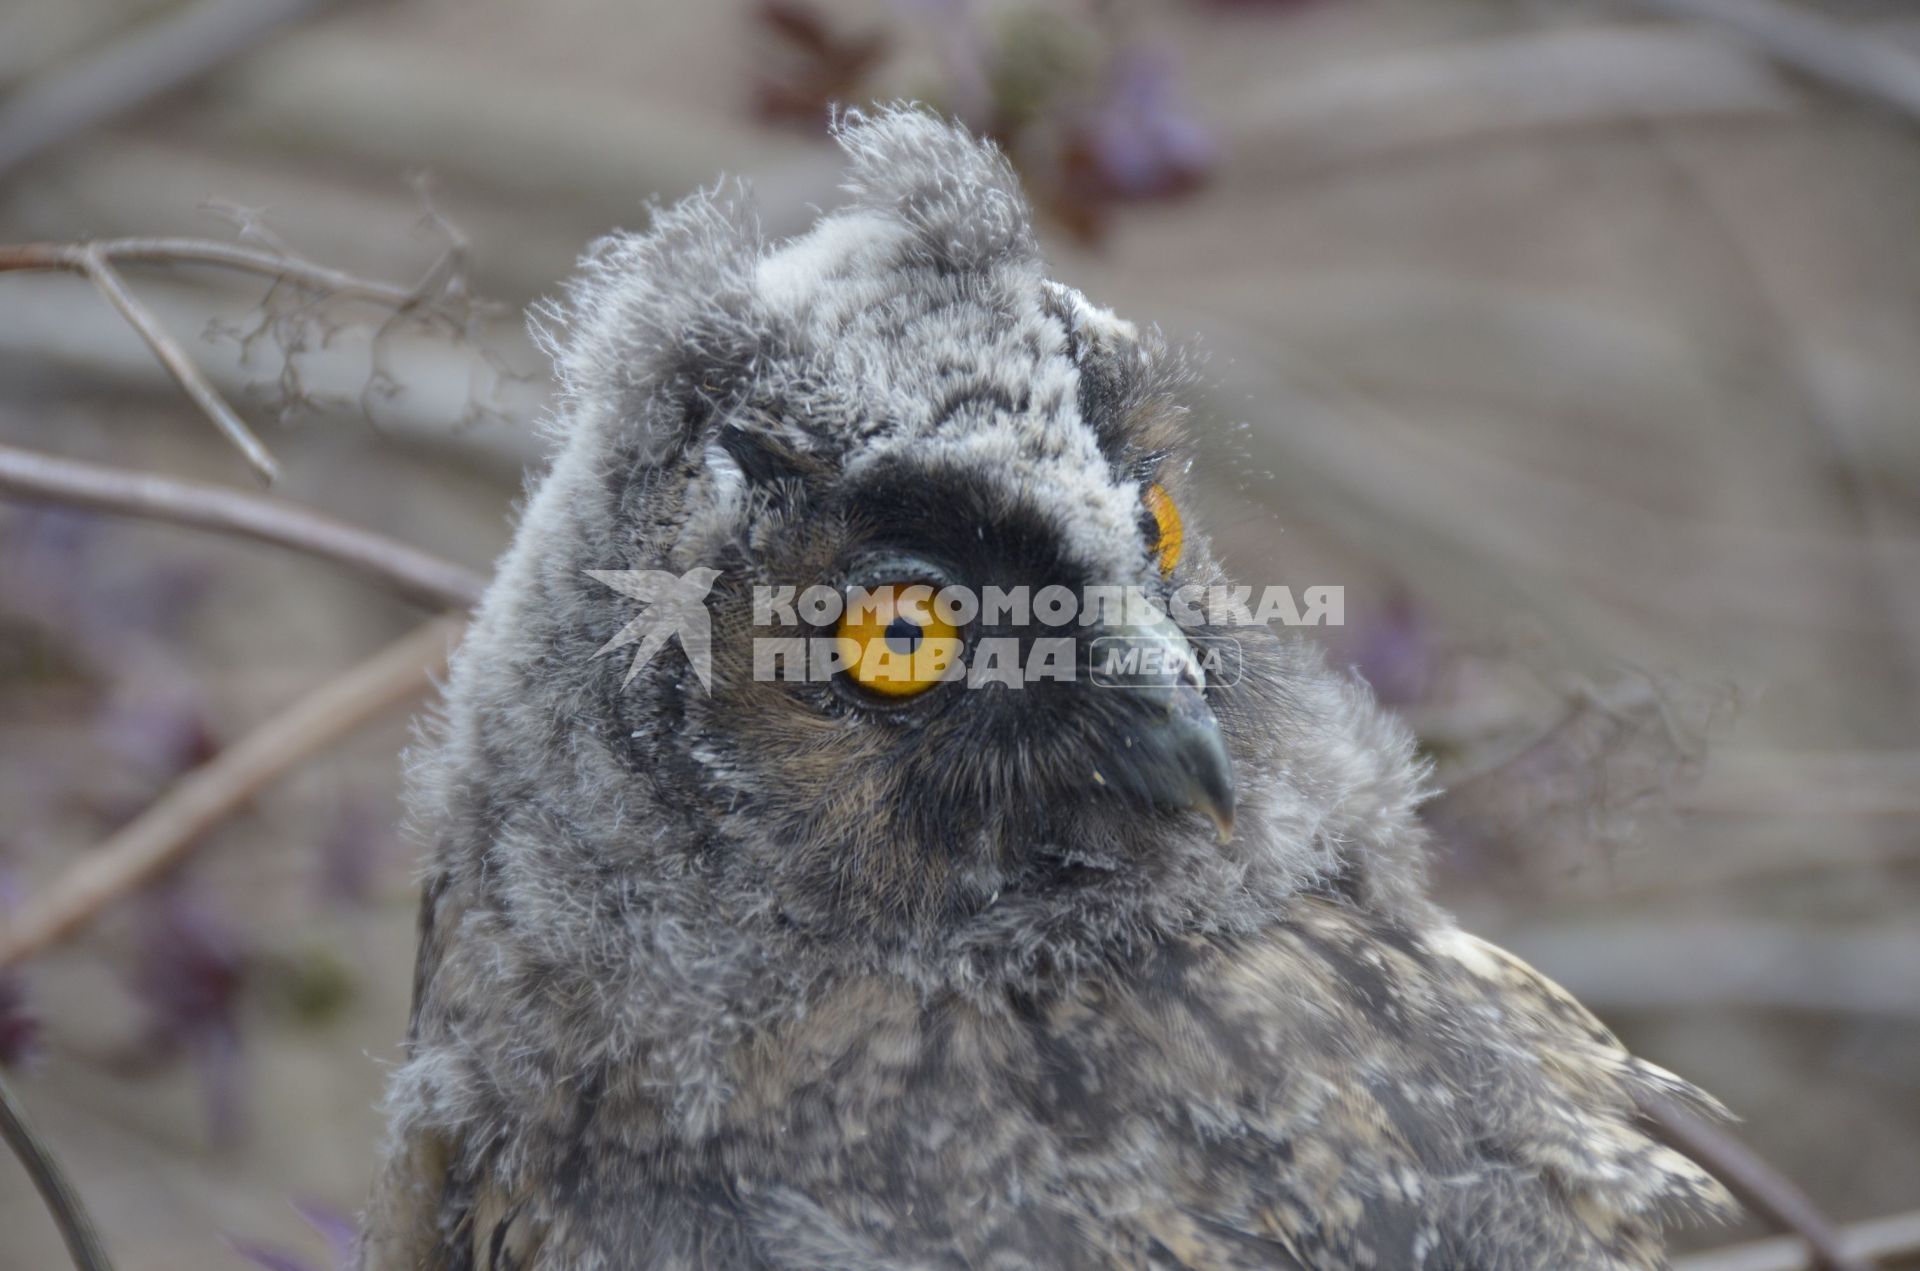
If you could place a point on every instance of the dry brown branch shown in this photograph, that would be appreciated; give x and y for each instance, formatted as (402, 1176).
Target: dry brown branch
(1891, 1242)
(43, 257)
(1759, 1186)
(434, 296)
(94, 264)
(55, 324)
(1819, 46)
(93, 261)
(69, 1214)
(172, 826)
(413, 573)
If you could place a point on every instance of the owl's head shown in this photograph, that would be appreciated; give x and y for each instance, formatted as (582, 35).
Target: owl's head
(900, 412)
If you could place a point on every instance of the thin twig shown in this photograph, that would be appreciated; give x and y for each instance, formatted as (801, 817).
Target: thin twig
(95, 262)
(45, 257)
(1757, 1183)
(413, 573)
(189, 377)
(47, 321)
(69, 1214)
(1816, 45)
(172, 826)
(1893, 1241)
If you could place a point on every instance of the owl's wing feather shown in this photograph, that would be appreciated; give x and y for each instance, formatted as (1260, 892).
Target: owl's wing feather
(437, 1205)
(402, 1225)
(1341, 1092)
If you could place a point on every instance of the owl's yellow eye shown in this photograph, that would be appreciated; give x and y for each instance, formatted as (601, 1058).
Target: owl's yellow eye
(1168, 536)
(894, 640)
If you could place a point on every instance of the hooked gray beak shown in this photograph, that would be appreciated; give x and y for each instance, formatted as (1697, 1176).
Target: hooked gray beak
(1167, 750)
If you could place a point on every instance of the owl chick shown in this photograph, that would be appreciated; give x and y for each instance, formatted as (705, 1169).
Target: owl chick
(860, 972)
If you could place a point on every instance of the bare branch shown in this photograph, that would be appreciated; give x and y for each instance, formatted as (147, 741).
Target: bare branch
(179, 365)
(42, 257)
(69, 1214)
(1750, 1177)
(413, 573)
(1818, 46)
(1891, 1241)
(163, 834)
(439, 297)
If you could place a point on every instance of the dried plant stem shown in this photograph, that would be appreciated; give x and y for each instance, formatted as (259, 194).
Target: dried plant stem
(95, 262)
(192, 382)
(46, 257)
(413, 573)
(1889, 1242)
(1758, 1184)
(172, 826)
(76, 1227)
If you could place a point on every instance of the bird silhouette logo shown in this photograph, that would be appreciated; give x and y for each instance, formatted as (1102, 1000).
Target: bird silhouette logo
(675, 605)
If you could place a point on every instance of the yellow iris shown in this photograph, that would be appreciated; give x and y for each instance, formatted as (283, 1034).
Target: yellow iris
(894, 641)
(1166, 520)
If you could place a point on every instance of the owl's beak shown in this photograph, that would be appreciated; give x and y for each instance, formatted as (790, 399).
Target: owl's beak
(1168, 751)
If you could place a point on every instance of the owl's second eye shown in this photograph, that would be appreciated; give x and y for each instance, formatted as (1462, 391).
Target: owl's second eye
(1168, 535)
(894, 641)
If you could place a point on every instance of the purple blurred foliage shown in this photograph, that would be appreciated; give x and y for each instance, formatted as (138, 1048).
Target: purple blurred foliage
(1281, 6)
(42, 554)
(339, 1231)
(1396, 651)
(1142, 139)
(43, 543)
(152, 600)
(811, 64)
(273, 1259)
(19, 1026)
(157, 728)
(100, 614)
(1088, 131)
(357, 842)
(189, 970)
(59, 574)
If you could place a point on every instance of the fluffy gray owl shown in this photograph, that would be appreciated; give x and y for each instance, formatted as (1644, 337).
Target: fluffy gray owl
(856, 973)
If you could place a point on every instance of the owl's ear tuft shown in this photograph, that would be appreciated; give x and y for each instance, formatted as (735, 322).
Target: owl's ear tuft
(1130, 381)
(659, 327)
(958, 193)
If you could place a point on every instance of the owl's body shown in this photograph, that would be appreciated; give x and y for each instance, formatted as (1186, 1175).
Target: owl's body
(793, 975)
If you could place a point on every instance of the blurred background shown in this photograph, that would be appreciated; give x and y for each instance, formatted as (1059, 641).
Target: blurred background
(1580, 342)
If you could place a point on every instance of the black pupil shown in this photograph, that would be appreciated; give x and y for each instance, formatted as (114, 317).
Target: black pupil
(903, 635)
